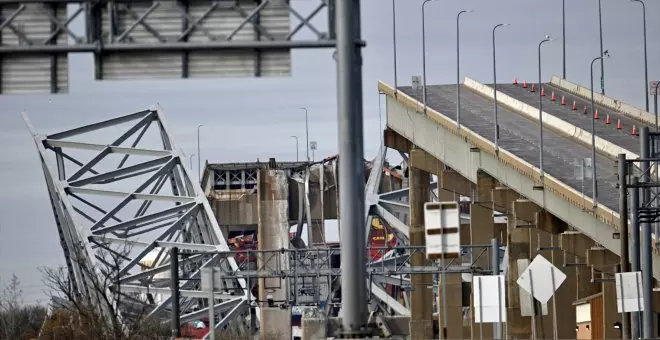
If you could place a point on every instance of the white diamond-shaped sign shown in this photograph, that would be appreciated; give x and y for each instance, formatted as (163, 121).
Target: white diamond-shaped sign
(537, 279)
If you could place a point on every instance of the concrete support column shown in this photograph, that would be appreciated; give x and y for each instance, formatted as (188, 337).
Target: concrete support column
(454, 306)
(421, 311)
(517, 326)
(565, 295)
(273, 234)
(610, 313)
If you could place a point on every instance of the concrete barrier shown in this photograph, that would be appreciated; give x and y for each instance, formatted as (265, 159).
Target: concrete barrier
(559, 125)
(626, 109)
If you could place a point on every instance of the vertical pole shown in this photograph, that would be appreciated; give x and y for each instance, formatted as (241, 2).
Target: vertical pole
(458, 71)
(646, 64)
(563, 35)
(351, 167)
(593, 138)
(623, 232)
(495, 265)
(424, 56)
(647, 260)
(199, 157)
(306, 133)
(655, 105)
(600, 31)
(174, 286)
(635, 317)
(497, 125)
(396, 83)
(212, 307)
(533, 304)
(555, 331)
(541, 112)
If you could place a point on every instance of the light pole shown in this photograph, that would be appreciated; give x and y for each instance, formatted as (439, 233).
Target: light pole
(394, 42)
(497, 125)
(306, 132)
(424, 55)
(296, 138)
(563, 35)
(655, 104)
(199, 156)
(600, 31)
(593, 132)
(458, 68)
(547, 38)
(646, 67)
(190, 159)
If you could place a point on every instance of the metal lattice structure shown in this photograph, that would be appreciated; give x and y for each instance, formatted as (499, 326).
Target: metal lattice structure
(135, 191)
(147, 39)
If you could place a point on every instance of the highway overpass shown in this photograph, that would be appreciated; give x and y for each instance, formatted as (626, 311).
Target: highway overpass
(508, 178)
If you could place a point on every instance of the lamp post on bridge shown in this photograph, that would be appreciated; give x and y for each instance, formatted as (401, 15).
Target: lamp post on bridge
(600, 32)
(458, 67)
(547, 38)
(593, 131)
(199, 156)
(497, 125)
(424, 55)
(563, 37)
(296, 138)
(646, 67)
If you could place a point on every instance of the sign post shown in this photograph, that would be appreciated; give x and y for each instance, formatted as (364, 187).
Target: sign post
(653, 90)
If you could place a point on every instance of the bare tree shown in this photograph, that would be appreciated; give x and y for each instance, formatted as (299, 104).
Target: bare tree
(18, 321)
(95, 313)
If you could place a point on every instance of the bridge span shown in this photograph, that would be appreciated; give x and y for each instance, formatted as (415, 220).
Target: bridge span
(553, 214)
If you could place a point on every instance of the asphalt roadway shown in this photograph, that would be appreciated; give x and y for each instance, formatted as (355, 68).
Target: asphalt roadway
(520, 136)
(609, 132)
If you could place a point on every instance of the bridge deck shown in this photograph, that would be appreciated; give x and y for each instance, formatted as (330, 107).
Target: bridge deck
(519, 135)
(609, 132)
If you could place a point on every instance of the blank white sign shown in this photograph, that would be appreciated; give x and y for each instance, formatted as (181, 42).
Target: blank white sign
(629, 292)
(489, 303)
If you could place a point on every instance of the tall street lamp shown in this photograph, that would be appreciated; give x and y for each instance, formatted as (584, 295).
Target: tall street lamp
(563, 36)
(458, 68)
(306, 131)
(646, 67)
(497, 125)
(593, 131)
(600, 31)
(190, 160)
(396, 84)
(296, 138)
(547, 38)
(199, 157)
(424, 55)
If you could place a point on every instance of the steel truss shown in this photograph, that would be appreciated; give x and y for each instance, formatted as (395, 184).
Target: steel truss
(147, 202)
(314, 272)
(101, 36)
(133, 198)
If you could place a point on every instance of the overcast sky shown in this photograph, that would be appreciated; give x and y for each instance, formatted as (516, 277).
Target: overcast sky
(246, 119)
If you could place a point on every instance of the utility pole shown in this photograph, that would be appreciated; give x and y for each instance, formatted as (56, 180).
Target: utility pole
(174, 286)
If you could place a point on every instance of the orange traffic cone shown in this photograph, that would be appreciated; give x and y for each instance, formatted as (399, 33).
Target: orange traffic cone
(543, 92)
(618, 124)
(574, 106)
(533, 87)
(563, 100)
(552, 97)
(596, 116)
(515, 81)
(585, 110)
(607, 119)
(634, 131)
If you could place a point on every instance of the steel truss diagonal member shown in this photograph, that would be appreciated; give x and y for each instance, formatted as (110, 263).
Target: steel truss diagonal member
(128, 212)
